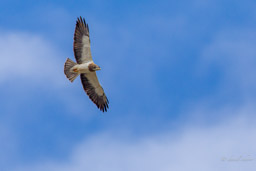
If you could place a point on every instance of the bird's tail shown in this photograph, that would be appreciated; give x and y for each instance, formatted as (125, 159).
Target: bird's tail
(68, 72)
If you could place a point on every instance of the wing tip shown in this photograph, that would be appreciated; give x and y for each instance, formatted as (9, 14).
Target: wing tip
(100, 101)
(104, 107)
(81, 22)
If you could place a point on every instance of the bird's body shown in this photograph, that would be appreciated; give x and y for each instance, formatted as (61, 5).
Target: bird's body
(85, 67)
(82, 68)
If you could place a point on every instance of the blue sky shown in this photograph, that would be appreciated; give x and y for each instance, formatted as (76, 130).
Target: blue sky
(180, 78)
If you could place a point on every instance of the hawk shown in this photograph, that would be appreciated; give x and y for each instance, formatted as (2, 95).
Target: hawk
(85, 67)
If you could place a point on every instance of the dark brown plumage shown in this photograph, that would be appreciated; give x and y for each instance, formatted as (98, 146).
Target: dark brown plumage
(100, 101)
(81, 30)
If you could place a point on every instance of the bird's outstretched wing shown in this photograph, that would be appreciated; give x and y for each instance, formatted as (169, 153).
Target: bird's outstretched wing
(94, 90)
(82, 47)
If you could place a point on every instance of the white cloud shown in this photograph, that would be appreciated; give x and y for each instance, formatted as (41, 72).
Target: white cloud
(28, 57)
(35, 64)
(191, 148)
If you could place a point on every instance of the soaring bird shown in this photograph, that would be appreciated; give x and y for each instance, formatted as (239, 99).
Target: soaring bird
(85, 67)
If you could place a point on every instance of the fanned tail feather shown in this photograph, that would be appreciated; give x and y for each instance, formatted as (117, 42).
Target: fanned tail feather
(67, 70)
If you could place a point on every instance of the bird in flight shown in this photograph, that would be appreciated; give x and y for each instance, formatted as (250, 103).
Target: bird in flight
(85, 67)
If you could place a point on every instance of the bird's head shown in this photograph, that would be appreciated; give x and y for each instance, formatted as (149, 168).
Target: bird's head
(93, 67)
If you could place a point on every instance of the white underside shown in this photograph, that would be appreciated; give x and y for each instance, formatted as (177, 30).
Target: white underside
(82, 68)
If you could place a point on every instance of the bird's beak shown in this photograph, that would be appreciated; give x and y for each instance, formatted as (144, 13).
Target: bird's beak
(98, 68)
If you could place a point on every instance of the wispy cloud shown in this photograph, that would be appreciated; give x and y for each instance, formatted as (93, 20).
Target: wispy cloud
(31, 67)
(191, 148)
(28, 57)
